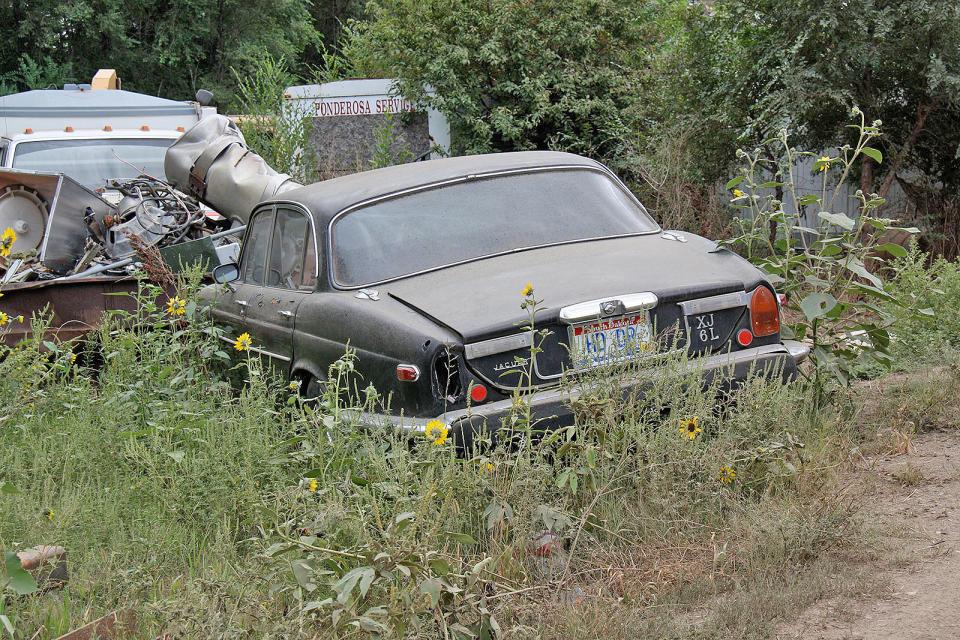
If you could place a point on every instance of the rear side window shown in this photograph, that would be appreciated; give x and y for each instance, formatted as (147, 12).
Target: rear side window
(255, 246)
(309, 279)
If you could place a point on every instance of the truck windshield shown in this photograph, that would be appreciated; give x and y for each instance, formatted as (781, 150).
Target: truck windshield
(482, 217)
(93, 162)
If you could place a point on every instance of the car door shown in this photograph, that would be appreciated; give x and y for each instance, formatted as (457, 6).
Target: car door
(234, 299)
(290, 275)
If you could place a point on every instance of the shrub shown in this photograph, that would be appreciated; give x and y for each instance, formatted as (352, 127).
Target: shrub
(827, 273)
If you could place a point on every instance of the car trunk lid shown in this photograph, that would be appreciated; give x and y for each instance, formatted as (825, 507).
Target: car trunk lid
(481, 300)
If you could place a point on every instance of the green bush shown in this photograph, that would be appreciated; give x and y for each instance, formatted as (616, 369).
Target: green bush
(932, 284)
(510, 75)
(838, 303)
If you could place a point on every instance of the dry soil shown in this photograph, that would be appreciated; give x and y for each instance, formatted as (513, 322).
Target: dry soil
(915, 505)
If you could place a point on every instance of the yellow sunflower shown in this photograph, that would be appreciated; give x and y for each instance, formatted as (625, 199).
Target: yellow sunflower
(6, 242)
(689, 428)
(242, 342)
(176, 306)
(437, 431)
(727, 474)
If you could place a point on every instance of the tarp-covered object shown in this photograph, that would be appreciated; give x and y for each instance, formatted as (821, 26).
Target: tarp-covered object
(212, 162)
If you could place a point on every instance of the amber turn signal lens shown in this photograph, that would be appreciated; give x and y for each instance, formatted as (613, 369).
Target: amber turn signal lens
(478, 393)
(764, 313)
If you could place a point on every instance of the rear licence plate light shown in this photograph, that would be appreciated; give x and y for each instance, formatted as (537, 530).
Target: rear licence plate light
(602, 342)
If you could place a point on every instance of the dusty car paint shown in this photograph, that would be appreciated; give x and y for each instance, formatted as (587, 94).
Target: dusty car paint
(459, 324)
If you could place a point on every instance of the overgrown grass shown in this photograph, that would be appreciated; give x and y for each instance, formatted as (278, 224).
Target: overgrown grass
(199, 490)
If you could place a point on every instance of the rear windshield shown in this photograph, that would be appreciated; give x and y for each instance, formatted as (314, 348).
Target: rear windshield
(93, 162)
(483, 217)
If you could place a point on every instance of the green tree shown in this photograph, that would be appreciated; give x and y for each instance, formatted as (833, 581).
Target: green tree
(511, 74)
(746, 68)
(170, 48)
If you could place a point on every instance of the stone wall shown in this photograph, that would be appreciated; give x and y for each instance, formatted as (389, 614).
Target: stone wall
(347, 144)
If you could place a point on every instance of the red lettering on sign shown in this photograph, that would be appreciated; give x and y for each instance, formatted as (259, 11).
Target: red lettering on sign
(356, 107)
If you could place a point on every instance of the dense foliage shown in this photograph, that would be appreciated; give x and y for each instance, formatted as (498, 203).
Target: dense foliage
(751, 68)
(665, 91)
(514, 75)
(167, 48)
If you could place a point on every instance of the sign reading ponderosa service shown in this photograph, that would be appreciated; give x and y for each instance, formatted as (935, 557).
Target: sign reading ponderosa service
(358, 124)
(361, 106)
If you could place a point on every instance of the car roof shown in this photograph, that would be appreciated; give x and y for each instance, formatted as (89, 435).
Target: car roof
(325, 199)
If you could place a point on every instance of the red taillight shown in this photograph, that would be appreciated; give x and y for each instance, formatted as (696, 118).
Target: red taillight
(478, 393)
(764, 313)
(744, 337)
(408, 372)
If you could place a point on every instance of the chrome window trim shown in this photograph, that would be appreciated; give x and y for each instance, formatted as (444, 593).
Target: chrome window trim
(296, 206)
(246, 247)
(467, 178)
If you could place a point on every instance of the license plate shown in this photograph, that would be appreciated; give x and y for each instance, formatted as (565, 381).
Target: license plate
(601, 342)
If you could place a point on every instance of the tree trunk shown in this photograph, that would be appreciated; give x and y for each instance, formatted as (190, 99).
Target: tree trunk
(922, 112)
(866, 176)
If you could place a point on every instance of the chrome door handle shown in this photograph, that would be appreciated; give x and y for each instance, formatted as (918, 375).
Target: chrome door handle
(242, 303)
(285, 313)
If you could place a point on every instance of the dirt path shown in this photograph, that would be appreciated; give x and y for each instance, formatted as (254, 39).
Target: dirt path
(917, 500)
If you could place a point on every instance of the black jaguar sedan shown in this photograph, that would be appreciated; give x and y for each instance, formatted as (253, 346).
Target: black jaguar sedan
(421, 268)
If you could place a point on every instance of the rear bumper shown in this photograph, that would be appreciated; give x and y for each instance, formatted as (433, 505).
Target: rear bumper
(551, 408)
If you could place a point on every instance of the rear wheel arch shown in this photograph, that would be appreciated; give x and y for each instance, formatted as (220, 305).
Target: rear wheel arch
(307, 375)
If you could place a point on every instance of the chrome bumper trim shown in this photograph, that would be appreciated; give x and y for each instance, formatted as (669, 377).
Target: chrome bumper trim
(411, 425)
(714, 303)
(498, 345)
(798, 350)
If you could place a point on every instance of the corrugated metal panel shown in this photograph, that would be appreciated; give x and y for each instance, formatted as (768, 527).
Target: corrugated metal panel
(810, 182)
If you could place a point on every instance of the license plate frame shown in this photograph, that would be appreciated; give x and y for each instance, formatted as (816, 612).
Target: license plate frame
(605, 341)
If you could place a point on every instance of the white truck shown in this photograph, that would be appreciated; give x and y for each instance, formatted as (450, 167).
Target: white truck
(91, 131)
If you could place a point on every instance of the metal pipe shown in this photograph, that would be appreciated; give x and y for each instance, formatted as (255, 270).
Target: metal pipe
(122, 263)
(97, 269)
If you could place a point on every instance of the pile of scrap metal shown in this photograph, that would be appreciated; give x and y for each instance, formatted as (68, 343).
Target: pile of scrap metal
(62, 229)
(73, 245)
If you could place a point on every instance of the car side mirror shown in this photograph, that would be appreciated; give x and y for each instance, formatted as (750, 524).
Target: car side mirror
(226, 273)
